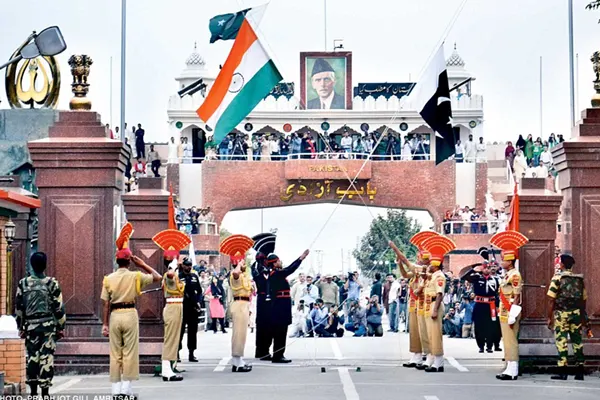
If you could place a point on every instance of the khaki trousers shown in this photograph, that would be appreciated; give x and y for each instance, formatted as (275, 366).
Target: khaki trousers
(173, 316)
(124, 341)
(240, 314)
(510, 341)
(413, 333)
(425, 347)
(434, 332)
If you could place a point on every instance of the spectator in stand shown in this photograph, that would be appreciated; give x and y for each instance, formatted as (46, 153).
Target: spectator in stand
(552, 141)
(483, 225)
(509, 154)
(466, 217)
(520, 165)
(374, 314)
(318, 320)
(407, 150)
(470, 150)
(357, 319)
(329, 292)
(172, 158)
(140, 168)
(140, 145)
(521, 143)
(109, 131)
(459, 151)
(117, 136)
(295, 145)
(546, 158)
(537, 151)
(480, 149)
(393, 302)
(188, 152)
(377, 287)
(346, 144)
(528, 150)
(311, 292)
(154, 160)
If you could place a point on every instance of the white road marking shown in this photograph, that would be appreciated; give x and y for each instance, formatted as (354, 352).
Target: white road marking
(337, 353)
(347, 384)
(431, 398)
(456, 364)
(66, 385)
(222, 364)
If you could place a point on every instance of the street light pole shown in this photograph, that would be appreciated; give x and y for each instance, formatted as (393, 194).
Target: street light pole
(571, 67)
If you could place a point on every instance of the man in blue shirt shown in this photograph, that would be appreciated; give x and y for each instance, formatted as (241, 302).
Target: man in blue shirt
(318, 319)
(467, 311)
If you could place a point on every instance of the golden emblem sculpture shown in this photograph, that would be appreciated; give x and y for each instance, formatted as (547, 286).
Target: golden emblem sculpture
(80, 69)
(32, 82)
(596, 64)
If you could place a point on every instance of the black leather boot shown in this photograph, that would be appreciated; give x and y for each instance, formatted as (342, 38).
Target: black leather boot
(561, 375)
(579, 373)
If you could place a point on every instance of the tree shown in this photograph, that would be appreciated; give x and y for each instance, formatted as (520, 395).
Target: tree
(224, 233)
(593, 5)
(374, 246)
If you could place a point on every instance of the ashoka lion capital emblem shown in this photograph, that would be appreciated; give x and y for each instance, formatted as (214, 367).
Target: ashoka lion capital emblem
(80, 69)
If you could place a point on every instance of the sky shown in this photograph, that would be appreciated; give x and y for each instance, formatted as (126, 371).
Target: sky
(391, 40)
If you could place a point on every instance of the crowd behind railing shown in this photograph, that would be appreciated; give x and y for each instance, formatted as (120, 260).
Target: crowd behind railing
(195, 221)
(467, 220)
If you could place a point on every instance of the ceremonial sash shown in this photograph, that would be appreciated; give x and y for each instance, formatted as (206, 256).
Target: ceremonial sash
(412, 301)
(504, 300)
(489, 300)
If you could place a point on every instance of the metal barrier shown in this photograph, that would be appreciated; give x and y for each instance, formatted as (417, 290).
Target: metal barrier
(204, 228)
(483, 227)
(314, 156)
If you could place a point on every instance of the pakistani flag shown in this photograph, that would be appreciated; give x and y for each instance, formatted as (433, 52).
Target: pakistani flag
(431, 96)
(226, 26)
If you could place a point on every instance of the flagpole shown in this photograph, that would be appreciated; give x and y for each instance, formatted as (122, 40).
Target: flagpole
(123, 64)
(541, 109)
(325, 25)
(111, 95)
(571, 67)
(576, 83)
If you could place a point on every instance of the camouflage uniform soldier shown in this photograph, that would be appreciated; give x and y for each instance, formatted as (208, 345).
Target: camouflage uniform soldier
(567, 315)
(41, 320)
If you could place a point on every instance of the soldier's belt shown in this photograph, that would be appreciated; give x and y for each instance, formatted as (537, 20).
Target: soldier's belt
(283, 294)
(482, 299)
(241, 298)
(40, 320)
(120, 306)
(174, 300)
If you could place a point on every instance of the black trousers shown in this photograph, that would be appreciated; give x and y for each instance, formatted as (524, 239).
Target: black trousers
(154, 167)
(190, 319)
(264, 339)
(279, 339)
(485, 328)
(140, 148)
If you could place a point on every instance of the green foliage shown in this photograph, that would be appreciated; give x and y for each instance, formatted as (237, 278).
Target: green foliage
(593, 5)
(224, 233)
(374, 246)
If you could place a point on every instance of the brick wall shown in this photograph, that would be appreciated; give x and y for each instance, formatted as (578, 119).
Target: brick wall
(3, 267)
(466, 243)
(481, 185)
(12, 361)
(416, 185)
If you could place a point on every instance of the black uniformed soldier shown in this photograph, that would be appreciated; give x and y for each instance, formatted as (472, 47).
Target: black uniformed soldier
(264, 336)
(191, 306)
(485, 315)
(282, 303)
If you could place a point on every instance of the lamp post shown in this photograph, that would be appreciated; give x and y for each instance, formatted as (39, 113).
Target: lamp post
(9, 234)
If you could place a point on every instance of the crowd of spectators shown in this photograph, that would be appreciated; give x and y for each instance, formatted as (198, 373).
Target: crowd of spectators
(471, 220)
(190, 219)
(533, 159)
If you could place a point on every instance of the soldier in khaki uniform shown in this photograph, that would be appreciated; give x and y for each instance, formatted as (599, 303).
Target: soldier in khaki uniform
(120, 320)
(171, 241)
(235, 247)
(510, 298)
(419, 342)
(438, 246)
(567, 316)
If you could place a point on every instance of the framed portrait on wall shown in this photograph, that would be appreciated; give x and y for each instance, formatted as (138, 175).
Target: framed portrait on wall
(326, 80)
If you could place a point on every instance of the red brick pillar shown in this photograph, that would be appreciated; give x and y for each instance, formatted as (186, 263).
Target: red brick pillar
(147, 209)
(579, 180)
(538, 214)
(12, 363)
(79, 173)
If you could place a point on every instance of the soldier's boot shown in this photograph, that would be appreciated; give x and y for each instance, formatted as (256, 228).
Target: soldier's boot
(45, 393)
(561, 375)
(579, 372)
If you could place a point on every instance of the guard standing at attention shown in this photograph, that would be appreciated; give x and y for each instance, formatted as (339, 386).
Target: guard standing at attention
(282, 303)
(41, 320)
(567, 316)
(192, 297)
(264, 244)
(510, 298)
(120, 318)
(171, 241)
(236, 246)
(438, 246)
(419, 343)
(485, 315)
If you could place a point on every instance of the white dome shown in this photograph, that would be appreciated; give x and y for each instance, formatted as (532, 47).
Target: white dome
(455, 59)
(195, 59)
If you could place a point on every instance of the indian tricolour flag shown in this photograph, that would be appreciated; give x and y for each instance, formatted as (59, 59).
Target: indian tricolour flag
(248, 75)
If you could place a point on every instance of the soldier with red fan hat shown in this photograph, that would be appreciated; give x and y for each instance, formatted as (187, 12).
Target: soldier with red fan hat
(171, 241)
(419, 341)
(236, 246)
(438, 247)
(120, 319)
(511, 286)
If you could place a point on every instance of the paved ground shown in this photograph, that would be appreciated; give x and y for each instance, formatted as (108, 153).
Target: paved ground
(469, 375)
